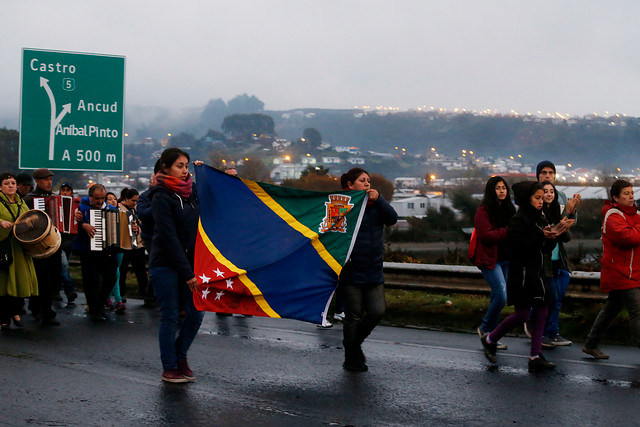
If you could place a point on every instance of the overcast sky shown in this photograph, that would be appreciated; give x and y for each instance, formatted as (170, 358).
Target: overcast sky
(574, 57)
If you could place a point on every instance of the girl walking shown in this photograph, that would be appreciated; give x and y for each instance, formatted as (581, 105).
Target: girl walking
(528, 238)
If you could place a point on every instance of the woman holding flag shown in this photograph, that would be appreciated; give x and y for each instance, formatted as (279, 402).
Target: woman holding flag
(361, 283)
(175, 211)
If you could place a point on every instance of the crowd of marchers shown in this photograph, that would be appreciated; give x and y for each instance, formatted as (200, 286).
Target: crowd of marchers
(518, 248)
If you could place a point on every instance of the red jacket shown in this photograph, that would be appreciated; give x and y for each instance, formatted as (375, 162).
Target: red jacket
(620, 248)
(489, 236)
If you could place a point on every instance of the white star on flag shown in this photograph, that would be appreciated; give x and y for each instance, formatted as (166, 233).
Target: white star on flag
(204, 278)
(219, 294)
(229, 283)
(205, 292)
(218, 272)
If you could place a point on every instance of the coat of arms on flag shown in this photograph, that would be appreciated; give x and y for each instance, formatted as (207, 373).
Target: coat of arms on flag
(338, 207)
(261, 248)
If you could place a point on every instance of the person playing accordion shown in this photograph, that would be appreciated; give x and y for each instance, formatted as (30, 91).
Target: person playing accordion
(98, 266)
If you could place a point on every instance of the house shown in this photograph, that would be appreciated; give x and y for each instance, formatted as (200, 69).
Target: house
(418, 206)
(287, 171)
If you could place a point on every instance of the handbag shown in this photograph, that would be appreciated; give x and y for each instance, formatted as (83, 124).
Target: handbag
(473, 246)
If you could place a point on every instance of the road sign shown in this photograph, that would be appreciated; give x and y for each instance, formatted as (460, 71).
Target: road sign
(72, 111)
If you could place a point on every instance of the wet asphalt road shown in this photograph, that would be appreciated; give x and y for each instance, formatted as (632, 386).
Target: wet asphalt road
(274, 372)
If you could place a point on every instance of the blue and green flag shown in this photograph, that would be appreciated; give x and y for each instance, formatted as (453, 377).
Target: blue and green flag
(267, 250)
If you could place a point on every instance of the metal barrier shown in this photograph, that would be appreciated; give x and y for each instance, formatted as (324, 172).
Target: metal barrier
(468, 280)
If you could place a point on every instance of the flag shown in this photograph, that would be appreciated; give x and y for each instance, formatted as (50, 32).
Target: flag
(267, 250)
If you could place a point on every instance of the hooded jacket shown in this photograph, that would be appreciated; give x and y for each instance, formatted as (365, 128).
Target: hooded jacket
(527, 243)
(620, 263)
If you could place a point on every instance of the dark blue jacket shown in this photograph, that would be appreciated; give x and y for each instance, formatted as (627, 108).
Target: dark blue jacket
(364, 266)
(145, 214)
(81, 243)
(174, 234)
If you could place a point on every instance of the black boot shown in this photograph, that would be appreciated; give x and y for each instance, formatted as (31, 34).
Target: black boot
(354, 359)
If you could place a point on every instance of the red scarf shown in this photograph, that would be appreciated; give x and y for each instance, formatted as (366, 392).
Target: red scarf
(171, 183)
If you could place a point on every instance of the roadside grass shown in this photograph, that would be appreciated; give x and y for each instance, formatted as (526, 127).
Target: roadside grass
(417, 309)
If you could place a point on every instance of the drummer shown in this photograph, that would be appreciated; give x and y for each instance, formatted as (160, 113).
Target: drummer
(18, 280)
(48, 270)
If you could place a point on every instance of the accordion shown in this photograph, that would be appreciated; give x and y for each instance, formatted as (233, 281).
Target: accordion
(61, 210)
(113, 230)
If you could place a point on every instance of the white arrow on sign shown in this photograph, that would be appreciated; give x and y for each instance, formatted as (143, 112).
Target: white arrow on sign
(54, 120)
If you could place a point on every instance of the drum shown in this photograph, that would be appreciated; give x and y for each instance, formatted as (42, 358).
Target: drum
(35, 231)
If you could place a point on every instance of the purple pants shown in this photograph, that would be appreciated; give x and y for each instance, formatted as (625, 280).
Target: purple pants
(518, 318)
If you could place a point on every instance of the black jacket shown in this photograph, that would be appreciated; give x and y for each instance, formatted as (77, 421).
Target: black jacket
(145, 214)
(174, 234)
(527, 244)
(364, 267)
(37, 192)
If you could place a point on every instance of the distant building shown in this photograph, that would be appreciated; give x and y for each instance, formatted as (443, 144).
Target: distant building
(419, 205)
(352, 150)
(331, 160)
(308, 161)
(287, 171)
(356, 161)
(407, 182)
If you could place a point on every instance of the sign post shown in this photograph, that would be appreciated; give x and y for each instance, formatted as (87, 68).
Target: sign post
(71, 111)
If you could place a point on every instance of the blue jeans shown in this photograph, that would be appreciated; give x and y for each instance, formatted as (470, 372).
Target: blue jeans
(174, 295)
(558, 286)
(115, 291)
(497, 279)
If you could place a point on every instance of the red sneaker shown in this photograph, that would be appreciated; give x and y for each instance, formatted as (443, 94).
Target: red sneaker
(173, 376)
(185, 371)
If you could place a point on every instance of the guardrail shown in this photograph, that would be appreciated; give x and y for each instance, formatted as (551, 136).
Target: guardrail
(464, 279)
(468, 280)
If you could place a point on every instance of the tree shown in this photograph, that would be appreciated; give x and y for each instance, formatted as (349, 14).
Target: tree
(183, 140)
(9, 149)
(463, 201)
(245, 104)
(255, 170)
(214, 112)
(315, 182)
(314, 170)
(312, 136)
(383, 185)
(243, 126)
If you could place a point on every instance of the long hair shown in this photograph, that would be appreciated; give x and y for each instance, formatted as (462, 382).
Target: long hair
(499, 211)
(552, 210)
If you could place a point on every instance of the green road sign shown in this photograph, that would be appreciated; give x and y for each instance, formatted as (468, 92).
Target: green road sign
(72, 111)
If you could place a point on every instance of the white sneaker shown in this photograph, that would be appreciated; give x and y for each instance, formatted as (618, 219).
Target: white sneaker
(339, 317)
(325, 325)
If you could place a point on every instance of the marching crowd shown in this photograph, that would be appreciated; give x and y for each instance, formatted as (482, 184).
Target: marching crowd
(520, 252)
